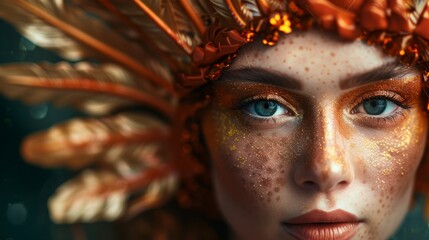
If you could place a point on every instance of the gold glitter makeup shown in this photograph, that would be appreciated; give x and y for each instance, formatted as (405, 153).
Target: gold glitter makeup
(324, 150)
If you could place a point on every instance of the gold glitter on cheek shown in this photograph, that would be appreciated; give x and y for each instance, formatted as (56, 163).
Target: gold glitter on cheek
(230, 137)
(251, 163)
(394, 154)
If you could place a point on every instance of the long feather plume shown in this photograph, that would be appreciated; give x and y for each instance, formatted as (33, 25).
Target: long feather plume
(78, 143)
(81, 85)
(237, 12)
(194, 16)
(41, 34)
(83, 35)
(250, 9)
(166, 13)
(155, 195)
(174, 15)
(119, 22)
(416, 8)
(222, 10)
(128, 10)
(103, 194)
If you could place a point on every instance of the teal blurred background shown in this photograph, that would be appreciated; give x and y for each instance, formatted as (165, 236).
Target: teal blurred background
(24, 189)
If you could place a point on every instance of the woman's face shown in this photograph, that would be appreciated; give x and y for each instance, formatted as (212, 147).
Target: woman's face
(315, 138)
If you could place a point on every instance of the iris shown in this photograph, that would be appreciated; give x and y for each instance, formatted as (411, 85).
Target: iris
(264, 108)
(376, 106)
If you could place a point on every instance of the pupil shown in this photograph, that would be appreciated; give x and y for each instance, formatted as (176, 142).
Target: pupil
(265, 108)
(375, 106)
(266, 105)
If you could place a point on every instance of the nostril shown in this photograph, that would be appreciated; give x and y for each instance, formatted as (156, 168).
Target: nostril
(342, 183)
(309, 184)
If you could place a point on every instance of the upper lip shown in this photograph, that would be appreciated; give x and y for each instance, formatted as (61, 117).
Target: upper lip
(319, 216)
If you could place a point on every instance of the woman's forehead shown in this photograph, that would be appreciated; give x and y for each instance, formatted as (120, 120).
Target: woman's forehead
(313, 57)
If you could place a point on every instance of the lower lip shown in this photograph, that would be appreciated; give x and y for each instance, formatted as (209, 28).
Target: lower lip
(322, 231)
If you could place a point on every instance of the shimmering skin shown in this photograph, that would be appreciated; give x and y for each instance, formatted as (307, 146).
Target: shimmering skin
(324, 154)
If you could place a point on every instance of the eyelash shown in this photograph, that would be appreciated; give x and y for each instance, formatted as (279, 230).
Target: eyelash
(390, 119)
(386, 120)
(266, 120)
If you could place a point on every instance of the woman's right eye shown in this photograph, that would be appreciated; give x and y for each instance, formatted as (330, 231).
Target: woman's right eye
(265, 108)
(265, 111)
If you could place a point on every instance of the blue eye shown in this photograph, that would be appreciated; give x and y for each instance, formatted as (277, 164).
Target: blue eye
(377, 106)
(265, 108)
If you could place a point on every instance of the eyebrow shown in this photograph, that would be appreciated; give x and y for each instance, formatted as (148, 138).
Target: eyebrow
(393, 70)
(260, 75)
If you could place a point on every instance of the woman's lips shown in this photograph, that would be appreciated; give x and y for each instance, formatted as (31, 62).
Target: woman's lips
(320, 225)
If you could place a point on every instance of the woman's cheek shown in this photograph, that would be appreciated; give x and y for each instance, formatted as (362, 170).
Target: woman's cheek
(388, 162)
(248, 163)
(392, 157)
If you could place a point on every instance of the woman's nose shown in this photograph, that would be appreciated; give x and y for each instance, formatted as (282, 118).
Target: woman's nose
(324, 166)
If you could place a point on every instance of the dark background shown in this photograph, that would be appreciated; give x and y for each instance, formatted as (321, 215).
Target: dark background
(24, 189)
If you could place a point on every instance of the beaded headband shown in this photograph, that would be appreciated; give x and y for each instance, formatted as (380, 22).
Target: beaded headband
(110, 46)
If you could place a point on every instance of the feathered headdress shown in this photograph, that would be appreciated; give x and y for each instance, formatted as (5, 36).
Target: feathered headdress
(151, 53)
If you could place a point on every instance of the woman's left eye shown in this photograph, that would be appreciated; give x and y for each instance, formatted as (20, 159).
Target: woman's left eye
(377, 106)
(265, 108)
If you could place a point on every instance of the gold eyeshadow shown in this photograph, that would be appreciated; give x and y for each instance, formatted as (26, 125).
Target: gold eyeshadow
(405, 93)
